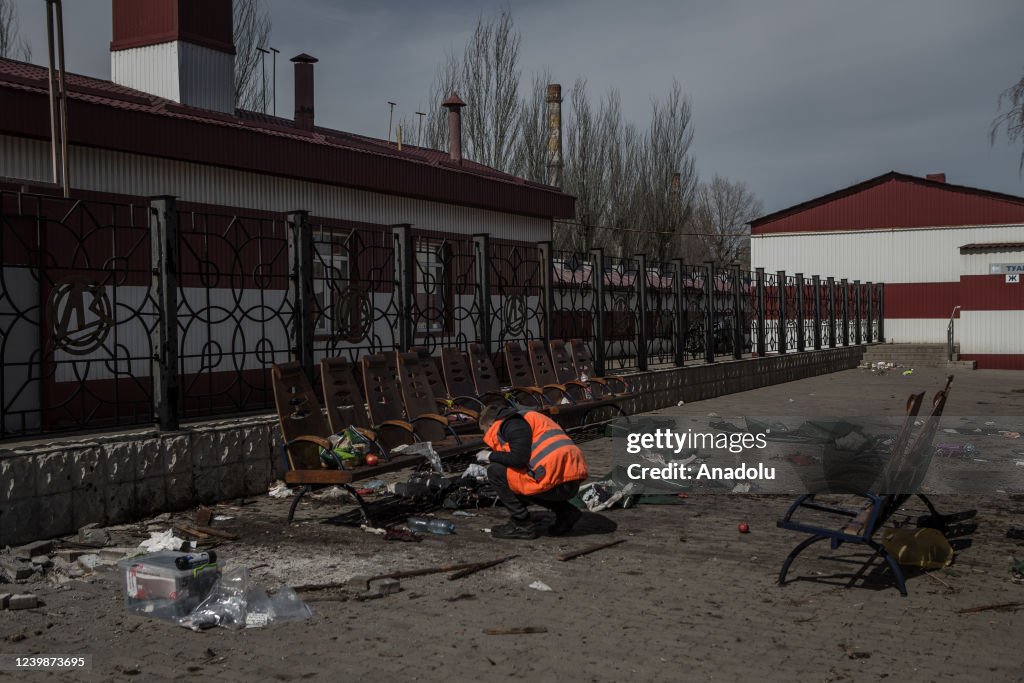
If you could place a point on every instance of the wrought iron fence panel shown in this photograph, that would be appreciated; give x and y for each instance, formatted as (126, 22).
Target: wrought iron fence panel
(76, 314)
(808, 309)
(355, 311)
(773, 300)
(233, 310)
(445, 308)
(620, 307)
(694, 312)
(661, 313)
(789, 303)
(726, 320)
(517, 307)
(574, 304)
(749, 312)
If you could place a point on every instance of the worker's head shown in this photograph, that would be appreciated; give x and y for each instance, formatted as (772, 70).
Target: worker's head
(488, 415)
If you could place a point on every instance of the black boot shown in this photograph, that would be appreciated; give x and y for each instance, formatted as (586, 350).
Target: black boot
(516, 528)
(565, 520)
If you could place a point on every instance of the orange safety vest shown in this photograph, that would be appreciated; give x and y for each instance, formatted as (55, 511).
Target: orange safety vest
(554, 457)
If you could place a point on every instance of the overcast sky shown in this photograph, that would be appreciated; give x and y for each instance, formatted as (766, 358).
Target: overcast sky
(794, 97)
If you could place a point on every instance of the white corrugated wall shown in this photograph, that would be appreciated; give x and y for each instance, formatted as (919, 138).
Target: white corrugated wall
(132, 174)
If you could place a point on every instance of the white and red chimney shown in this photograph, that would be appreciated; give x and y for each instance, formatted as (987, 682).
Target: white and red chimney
(182, 50)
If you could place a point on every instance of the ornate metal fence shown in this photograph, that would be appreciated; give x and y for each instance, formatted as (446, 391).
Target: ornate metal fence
(124, 314)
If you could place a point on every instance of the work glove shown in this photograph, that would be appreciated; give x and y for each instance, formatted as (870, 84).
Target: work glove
(483, 456)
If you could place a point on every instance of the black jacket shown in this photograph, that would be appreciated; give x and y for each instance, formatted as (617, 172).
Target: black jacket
(516, 432)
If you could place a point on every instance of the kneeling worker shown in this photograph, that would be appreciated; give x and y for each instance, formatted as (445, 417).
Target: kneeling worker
(532, 460)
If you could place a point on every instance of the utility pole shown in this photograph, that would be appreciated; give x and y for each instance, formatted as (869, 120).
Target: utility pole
(275, 51)
(391, 111)
(263, 77)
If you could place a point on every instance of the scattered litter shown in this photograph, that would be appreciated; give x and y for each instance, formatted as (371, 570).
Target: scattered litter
(372, 529)
(907, 373)
(742, 487)
(541, 586)
(155, 585)
(1010, 435)
(479, 567)
(463, 513)
(1000, 607)
(1017, 568)
(236, 604)
(430, 526)
(486, 530)
(402, 535)
(475, 471)
(331, 493)
(279, 489)
(681, 403)
(222, 518)
(743, 528)
(162, 540)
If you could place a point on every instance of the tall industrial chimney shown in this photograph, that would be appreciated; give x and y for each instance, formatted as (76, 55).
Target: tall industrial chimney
(181, 50)
(554, 161)
(454, 105)
(304, 118)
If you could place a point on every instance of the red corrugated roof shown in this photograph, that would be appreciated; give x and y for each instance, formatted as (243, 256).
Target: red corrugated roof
(895, 200)
(104, 114)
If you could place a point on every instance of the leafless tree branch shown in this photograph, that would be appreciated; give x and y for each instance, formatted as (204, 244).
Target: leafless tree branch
(252, 31)
(1011, 120)
(12, 45)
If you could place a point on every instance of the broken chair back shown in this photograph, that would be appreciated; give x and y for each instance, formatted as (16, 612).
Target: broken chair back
(900, 478)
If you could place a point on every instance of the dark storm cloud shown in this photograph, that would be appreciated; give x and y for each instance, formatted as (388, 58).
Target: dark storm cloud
(794, 97)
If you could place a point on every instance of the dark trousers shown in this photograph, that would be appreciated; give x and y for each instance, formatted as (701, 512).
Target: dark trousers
(555, 499)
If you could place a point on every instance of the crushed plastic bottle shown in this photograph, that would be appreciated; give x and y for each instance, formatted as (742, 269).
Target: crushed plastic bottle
(430, 526)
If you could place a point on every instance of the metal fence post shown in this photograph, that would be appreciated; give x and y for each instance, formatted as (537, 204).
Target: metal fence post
(642, 331)
(405, 284)
(679, 319)
(737, 307)
(709, 311)
(801, 333)
(869, 332)
(816, 290)
(858, 313)
(597, 256)
(831, 312)
(163, 227)
(881, 312)
(547, 291)
(482, 245)
(845, 286)
(300, 289)
(761, 346)
(780, 291)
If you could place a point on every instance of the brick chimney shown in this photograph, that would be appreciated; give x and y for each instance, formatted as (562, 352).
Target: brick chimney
(182, 50)
(304, 118)
(454, 105)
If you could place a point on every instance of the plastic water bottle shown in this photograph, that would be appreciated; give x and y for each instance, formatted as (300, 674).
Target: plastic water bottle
(430, 526)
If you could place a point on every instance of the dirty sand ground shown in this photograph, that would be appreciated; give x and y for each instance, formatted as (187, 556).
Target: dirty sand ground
(684, 598)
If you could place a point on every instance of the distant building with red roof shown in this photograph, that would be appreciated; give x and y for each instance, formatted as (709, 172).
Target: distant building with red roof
(935, 245)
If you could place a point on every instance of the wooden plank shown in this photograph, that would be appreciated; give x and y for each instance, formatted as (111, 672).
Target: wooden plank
(586, 551)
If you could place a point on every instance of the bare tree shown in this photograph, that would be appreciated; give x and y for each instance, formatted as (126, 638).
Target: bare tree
(1012, 119)
(723, 211)
(252, 31)
(12, 45)
(531, 147)
(486, 76)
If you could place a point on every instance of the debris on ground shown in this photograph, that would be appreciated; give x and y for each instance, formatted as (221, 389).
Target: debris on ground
(279, 489)
(93, 535)
(541, 586)
(586, 551)
(235, 603)
(163, 540)
(520, 630)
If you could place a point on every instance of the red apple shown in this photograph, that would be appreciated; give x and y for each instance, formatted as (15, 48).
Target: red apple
(372, 460)
(743, 528)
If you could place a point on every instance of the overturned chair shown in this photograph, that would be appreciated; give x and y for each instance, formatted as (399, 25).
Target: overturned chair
(902, 474)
